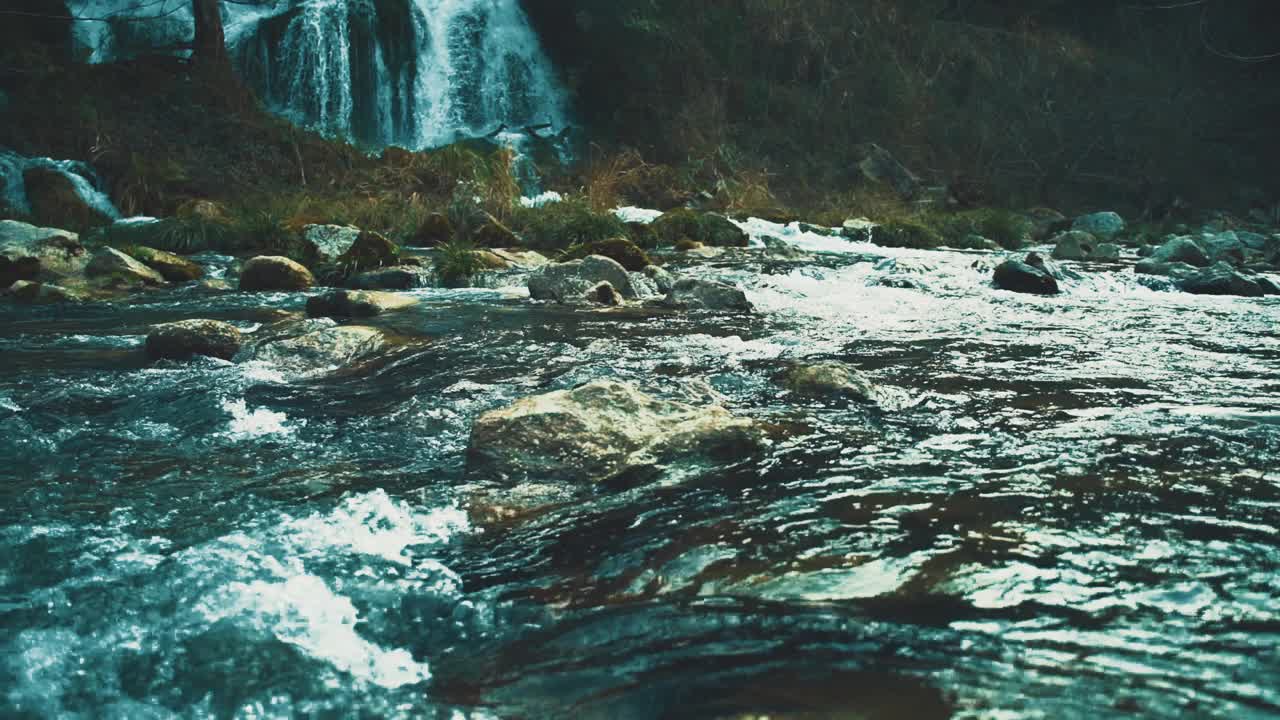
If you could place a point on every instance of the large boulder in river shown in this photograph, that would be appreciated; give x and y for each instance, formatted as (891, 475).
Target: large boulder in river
(1181, 249)
(112, 267)
(830, 380)
(330, 242)
(1074, 245)
(1102, 225)
(273, 273)
(1025, 277)
(40, 254)
(54, 200)
(570, 282)
(171, 267)
(185, 339)
(1222, 279)
(696, 294)
(600, 431)
(319, 346)
(621, 249)
(356, 303)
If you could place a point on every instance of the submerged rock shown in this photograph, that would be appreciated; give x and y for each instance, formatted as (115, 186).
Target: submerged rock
(600, 431)
(1029, 277)
(114, 267)
(570, 282)
(835, 380)
(356, 303)
(187, 338)
(696, 294)
(1222, 279)
(171, 267)
(273, 273)
(1101, 225)
(39, 254)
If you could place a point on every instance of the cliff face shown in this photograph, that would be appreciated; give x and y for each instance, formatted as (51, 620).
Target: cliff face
(1042, 102)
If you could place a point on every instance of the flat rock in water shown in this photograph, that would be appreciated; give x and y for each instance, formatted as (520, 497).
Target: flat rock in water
(42, 254)
(1222, 279)
(171, 267)
(696, 294)
(833, 380)
(356, 303)
(321, 349)
(185, 339)
(111, 265)
(602, 430)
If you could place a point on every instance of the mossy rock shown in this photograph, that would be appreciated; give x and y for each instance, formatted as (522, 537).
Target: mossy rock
(626, 253)
(370, 251)
(170, 266)
(435, 229)
(706, 228)
(493, 234)
(55, 202)
(905, 234)
(562, 225)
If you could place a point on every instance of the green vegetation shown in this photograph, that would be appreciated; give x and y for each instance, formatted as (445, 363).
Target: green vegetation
(705, 228)
(1008, 229)
(562, 225)
(906, 234)
(457, 262)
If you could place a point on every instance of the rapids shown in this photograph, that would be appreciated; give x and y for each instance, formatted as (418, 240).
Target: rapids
(1064, 507)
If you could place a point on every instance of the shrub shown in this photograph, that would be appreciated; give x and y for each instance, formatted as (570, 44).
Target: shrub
(1008, 229)
(561, 225)
(457, 261)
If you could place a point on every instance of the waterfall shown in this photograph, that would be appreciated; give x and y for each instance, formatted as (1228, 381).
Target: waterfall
(413, 73)
(13, 193)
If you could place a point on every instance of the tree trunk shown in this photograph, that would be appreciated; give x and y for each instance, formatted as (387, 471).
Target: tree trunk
(210, 50)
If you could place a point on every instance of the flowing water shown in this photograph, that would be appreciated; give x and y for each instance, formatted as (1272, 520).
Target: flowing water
(13, 192)
(413, 73)
(1061, 507)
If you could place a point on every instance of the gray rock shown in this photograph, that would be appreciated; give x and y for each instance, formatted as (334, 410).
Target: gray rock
(1024, 277)
(1175, 270)
(696, 294)
(600, 431)
(661, 279)
(187, 338)
(330, 242)
(356, 303)
(171, 267)
(570, 282)
(41, 254)
(1222, 279)
(1181, 249)
(522, 259)
(1105, 252)
(1224, 247)
(834, 380)
(1102, 225)
(782, 250)
(319, 350)
(273, 273)
(37, 293)
(1074, 245)
(399, 277)
(114, 267)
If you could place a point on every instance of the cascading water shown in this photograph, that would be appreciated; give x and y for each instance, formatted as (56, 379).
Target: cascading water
(13, 194)
(412, 73)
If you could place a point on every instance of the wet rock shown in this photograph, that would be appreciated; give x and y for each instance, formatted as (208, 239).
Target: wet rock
(1181, 249)
(356, 303)
(1176, 270)
(330, 242)
(1074, 245)
(41, 254)
(605, 294)
(370, 250)
(187, 338)
(1224, 247)
(707, 228)
(858, 229)
(273, 273)
(399, 277)
(116, 268)
(171, 267)
(1102, 225)
(37, 293)
(834, 380)
(781, 250)
(1106, 252)
(698, 294)
(54, 200)
(600, 431)
(1030, 277)
(493, 234)
(320, 349)
(570, 282)
(661, 279)
(1222, 279)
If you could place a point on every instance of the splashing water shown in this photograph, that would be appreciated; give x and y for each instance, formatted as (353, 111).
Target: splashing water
(13, 191)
